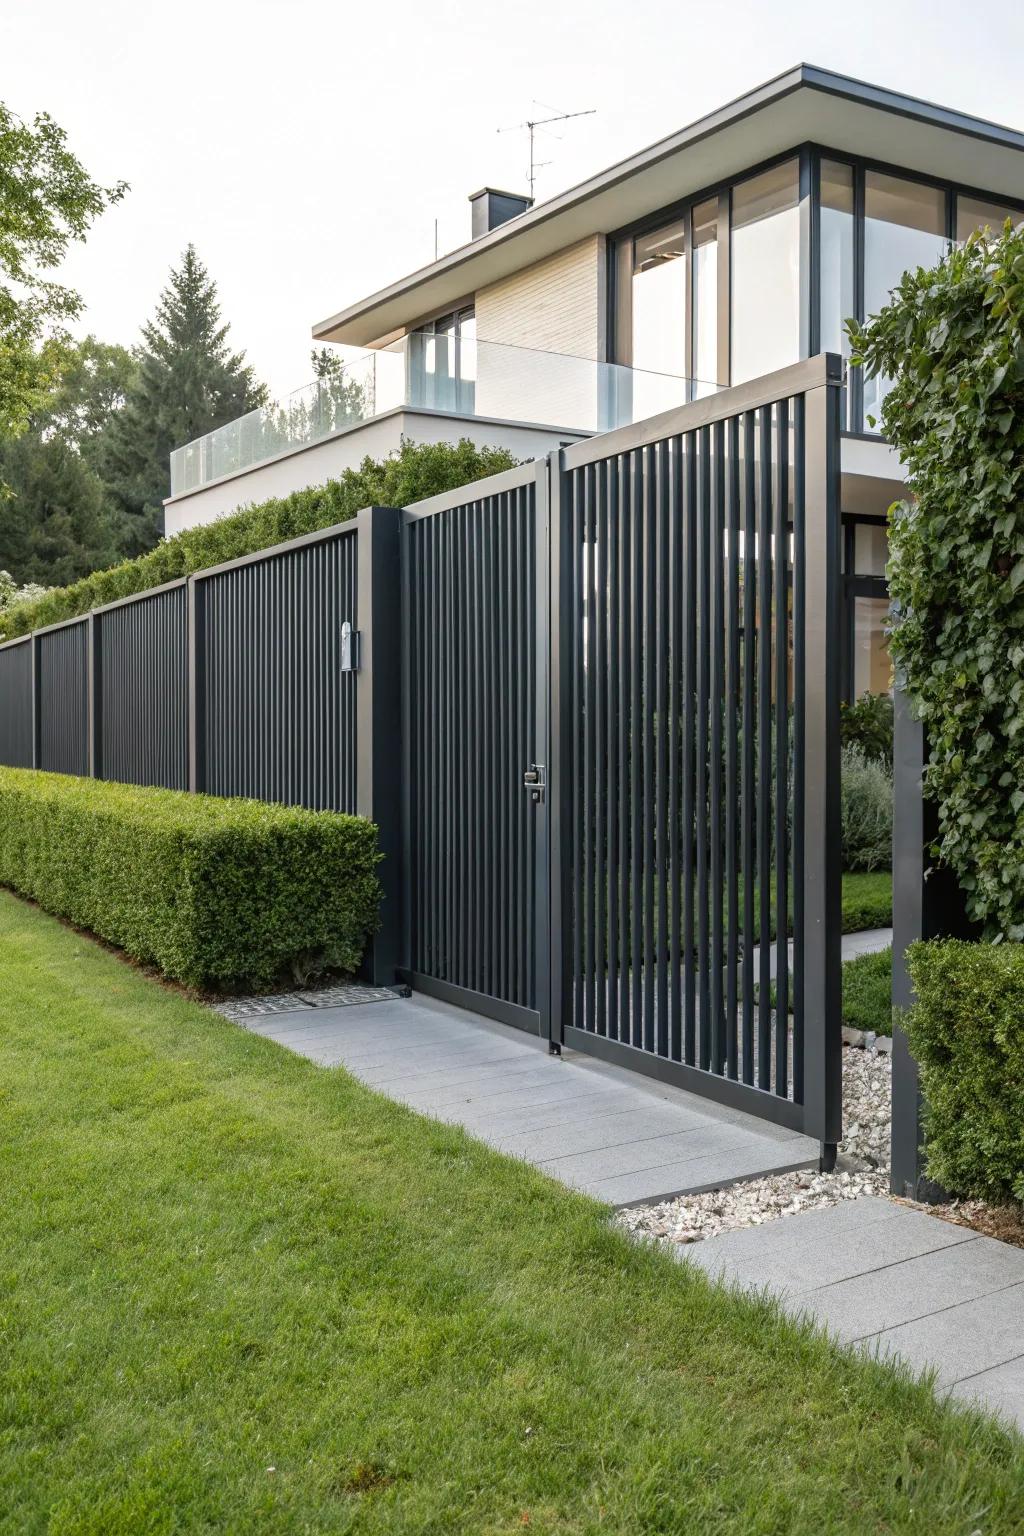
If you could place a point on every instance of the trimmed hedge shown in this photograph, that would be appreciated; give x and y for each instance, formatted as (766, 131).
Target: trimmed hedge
(218, 893)
(417, 470)
(966, 1032)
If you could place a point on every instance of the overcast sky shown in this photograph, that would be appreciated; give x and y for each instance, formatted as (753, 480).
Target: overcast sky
(307, 148)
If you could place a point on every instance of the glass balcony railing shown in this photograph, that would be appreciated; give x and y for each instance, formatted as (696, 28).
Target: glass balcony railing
(456, 376)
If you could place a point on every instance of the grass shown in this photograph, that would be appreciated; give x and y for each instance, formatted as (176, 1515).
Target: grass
(867, 900)
(867, 992)
(241, 1293)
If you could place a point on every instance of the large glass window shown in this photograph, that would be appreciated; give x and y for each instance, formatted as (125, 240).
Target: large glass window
(838, 300)
(705, 297)
(765, 256)
(904, 228)
(975, 213)
(659, 300)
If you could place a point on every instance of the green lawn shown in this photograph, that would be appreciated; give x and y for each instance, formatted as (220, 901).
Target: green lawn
(239, 1293)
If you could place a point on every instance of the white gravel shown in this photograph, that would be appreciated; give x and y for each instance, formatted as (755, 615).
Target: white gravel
(867, 1115)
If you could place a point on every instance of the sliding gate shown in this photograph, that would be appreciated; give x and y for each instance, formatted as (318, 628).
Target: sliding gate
(659, 673)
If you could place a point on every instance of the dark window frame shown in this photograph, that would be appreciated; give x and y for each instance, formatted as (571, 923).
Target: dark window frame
(810, 154)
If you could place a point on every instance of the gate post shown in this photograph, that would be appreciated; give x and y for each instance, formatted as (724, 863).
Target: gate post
(557, 573)
(927, 904)
(94, 686)
(379, 719)
(196, 663)
(822, 829)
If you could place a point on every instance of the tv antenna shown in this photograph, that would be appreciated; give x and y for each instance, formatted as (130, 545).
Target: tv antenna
(532, 124)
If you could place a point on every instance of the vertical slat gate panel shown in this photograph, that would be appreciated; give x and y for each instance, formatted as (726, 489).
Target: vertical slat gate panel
(470, 706)
(687, 613)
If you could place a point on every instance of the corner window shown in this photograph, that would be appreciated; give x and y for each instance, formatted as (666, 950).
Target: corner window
(975, 213)
(765, 253)
(659, 300)
(705, 298)
(838, 299)
(904, 228)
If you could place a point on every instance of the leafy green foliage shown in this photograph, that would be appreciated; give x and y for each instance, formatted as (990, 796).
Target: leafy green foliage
(47, 201)
(188, 383)
(967, 1034)
(867, 723)
(867, 992)
(11, 593)
(416, 471)
(57, 523)
(866, 812)
(953, 341)
(217, 893)
(867, 900)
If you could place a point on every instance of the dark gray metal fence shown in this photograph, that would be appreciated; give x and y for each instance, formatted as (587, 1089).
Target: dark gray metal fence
(592, 705)
(470, 698)
(140, 689)
(62, 697)
(275, 714)
(16, 719)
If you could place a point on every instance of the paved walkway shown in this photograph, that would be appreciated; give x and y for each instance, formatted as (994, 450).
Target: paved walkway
(897, 1281)
(867, 942)
(619, 1136)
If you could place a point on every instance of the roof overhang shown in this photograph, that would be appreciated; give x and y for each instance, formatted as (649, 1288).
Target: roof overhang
(804, 105)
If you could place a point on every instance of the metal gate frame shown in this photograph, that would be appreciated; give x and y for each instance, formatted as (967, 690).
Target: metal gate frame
(532, 477)
(817, 383)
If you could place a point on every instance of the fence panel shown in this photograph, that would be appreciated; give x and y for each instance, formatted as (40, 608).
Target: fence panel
(687, 806)
(275, 716)
(62, 694)
(142, 690)
(16, 704)
(470, 694)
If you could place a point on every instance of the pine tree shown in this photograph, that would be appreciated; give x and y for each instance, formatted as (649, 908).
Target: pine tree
(188, 383)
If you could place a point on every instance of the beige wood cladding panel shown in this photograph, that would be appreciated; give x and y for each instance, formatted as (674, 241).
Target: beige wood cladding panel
(555, 306)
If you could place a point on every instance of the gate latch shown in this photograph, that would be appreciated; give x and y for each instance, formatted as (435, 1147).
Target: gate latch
(535, 780)
(349, 648)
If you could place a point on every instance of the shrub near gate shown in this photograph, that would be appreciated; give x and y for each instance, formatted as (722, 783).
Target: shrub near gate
(218, 893)
(967, 1034)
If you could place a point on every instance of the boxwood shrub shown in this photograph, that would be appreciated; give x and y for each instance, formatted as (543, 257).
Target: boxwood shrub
(967, 1033)
(219, 894)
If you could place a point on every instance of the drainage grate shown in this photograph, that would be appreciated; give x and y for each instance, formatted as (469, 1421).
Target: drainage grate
(346, 995)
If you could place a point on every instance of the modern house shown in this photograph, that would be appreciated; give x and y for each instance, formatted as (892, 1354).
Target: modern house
(730, 249)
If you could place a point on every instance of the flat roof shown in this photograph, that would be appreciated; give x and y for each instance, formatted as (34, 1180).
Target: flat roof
(806, 104)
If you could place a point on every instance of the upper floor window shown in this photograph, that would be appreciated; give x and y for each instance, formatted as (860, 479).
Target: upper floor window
(705, 297)
(976, 213)
(904, 228)
(765, 256)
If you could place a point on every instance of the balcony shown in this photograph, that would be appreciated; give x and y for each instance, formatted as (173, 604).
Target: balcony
(481, 380)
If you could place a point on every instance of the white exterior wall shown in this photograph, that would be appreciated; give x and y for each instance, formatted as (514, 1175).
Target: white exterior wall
(346, 450)
(558, 305)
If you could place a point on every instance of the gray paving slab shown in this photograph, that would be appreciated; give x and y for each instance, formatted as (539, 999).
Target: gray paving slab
(1000, 1389)
(916, 1288)
(807, 1256)
(895, 1282)
(961, 1341)
(595, 1126)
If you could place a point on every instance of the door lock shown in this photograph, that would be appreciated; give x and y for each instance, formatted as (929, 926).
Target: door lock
(535, 780)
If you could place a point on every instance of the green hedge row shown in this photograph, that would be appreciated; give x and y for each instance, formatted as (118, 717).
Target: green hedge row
(222, 894)
(417, 470)
(966, 1032)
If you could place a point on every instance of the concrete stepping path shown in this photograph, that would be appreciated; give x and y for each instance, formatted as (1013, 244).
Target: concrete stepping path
(599, 1128)
(897, 1282)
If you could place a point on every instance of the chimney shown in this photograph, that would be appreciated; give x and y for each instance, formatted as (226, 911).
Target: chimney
(491, 208)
